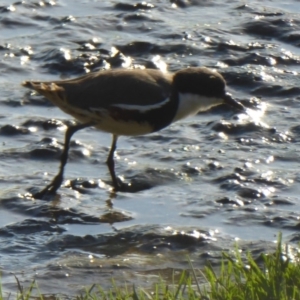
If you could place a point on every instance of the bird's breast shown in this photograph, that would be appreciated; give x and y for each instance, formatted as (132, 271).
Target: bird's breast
(191, 104)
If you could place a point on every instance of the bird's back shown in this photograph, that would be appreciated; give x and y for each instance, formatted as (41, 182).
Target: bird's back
(106, 88)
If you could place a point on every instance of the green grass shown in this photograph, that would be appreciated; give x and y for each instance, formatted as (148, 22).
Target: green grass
(274, 277)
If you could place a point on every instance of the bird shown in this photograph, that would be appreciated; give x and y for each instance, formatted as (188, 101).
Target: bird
(130, 102)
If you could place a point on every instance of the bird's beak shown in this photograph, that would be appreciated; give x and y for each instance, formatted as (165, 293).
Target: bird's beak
(233, 103)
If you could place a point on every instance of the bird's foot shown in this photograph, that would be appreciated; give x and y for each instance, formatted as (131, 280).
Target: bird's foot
(50, 189)
(132, 186)
(119, 185)
(47, 191)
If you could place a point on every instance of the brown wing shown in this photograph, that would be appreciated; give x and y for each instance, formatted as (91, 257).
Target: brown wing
(105, 88)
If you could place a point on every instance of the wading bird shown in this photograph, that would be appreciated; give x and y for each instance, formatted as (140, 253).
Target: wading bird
(131, 102)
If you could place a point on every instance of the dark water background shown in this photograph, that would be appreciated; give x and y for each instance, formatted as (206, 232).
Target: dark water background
(209, 180)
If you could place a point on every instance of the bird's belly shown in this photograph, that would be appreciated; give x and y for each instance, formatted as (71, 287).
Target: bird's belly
(120, 127)
(108, 122)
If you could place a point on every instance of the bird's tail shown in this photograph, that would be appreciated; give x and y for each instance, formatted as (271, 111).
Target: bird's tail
(50, 90)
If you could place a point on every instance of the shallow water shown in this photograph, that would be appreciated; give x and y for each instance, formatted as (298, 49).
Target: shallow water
(207, 180)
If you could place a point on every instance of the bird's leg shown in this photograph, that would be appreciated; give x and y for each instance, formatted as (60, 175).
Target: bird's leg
(58, 179)
(111, 163)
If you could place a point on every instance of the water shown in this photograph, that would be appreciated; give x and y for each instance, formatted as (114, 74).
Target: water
(209, 180)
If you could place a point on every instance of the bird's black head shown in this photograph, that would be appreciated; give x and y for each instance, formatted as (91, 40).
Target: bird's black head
(204, 82)
(200, 81)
